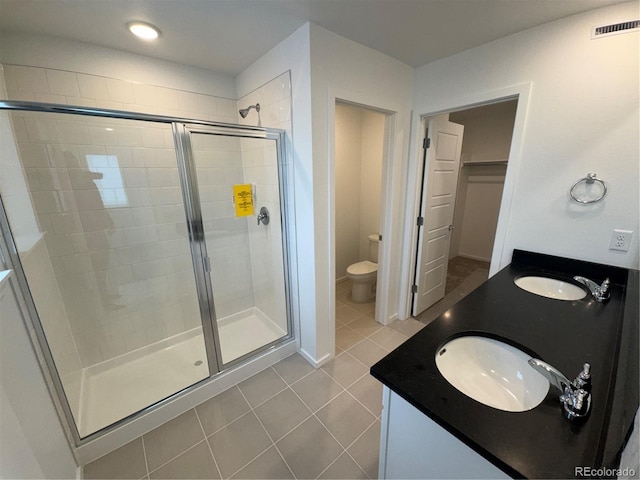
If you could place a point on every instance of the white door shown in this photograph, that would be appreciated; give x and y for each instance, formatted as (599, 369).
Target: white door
(442, 164)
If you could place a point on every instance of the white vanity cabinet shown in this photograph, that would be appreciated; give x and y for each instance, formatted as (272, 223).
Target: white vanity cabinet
(414, 446)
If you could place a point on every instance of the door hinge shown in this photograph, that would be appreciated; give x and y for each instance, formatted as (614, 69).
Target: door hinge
(426, 143)
(379, 237)
(420, 221)
(414, 289)
(207, 264)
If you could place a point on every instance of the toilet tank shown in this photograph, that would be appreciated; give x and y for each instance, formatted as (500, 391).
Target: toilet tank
(374, 240)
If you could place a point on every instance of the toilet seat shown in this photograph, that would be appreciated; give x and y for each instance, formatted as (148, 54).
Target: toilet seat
(362, 268)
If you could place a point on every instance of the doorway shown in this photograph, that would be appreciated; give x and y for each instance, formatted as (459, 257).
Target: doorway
(465, 258)
(359, 156)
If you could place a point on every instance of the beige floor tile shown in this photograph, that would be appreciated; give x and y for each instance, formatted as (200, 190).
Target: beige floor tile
(368, 352)
(238, 443)
(222, 409)
(365, 450)
(345, 369)
(293, 368)
(317, 389)
(196, 462)
(368, 391)
(344, 286)
(365, 325)
(368, 308)
(388, 338)
(347, 338)
(345, 315)
(282, 413)
(343, 467)
(269, 465)
(345, 418)
(124, 463)
(171, 439)
(309, 449)
(262, 386)
(408, 327)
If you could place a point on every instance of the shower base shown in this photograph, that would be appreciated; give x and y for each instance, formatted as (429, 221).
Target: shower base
(119, 387)
(246, 331)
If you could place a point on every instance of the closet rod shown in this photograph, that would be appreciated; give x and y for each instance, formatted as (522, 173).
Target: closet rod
(484, 164)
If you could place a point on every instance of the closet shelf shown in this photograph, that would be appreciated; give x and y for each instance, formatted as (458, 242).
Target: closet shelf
(485, 164)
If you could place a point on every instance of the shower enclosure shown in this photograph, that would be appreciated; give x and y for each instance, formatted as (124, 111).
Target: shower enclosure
(138, 243)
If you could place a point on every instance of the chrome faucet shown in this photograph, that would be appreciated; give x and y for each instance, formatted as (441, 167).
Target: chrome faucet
(575, 397)
(599, 292)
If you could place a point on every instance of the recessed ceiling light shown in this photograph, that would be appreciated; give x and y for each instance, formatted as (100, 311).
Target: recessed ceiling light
(146, 31)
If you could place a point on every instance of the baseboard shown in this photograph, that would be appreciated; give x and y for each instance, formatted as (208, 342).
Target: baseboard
(474, 257)
(315, 363)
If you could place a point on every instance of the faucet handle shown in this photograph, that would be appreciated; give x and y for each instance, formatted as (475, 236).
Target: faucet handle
(576, 404)
(583, 380)
(602, 292)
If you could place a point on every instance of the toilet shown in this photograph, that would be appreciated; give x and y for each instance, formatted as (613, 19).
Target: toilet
(363, 274)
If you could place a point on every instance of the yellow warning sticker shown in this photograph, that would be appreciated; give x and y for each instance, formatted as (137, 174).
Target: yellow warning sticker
(243, 199)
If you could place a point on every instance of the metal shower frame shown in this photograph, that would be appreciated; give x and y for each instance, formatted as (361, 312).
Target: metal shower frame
(182, 129)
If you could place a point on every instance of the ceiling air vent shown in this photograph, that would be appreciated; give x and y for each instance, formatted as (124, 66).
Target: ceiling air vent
(615, 29)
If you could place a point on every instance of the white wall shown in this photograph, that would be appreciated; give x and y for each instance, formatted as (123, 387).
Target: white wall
(347, 186)
(370, 178)
(487, 137)
(359, 149)
(344, 70)
(487, 131)
(32, 441)
(325, 67)
(582, 117)
(292, 55)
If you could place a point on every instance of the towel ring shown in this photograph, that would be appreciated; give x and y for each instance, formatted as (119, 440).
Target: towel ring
(589, 180)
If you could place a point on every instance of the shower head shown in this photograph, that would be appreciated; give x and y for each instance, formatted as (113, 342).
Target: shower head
(245, 111)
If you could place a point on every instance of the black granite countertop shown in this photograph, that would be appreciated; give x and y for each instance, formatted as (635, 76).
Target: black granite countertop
(539, 443)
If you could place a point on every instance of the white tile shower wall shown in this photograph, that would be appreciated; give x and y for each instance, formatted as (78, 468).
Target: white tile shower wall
(120, 255)
(218, 167)
(139, 266)
(45, 85)
(260, 167)
(261, 170)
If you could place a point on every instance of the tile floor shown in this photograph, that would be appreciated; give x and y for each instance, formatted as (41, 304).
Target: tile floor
(288, 421)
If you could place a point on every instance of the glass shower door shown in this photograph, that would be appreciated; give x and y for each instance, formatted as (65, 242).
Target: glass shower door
(96, 210)
(240, 188)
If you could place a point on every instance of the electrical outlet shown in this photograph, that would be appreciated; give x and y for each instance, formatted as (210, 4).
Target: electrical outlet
(620, 240)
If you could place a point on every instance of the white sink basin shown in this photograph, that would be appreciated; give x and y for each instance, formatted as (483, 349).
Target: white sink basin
(492, 372)
(550, 288)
